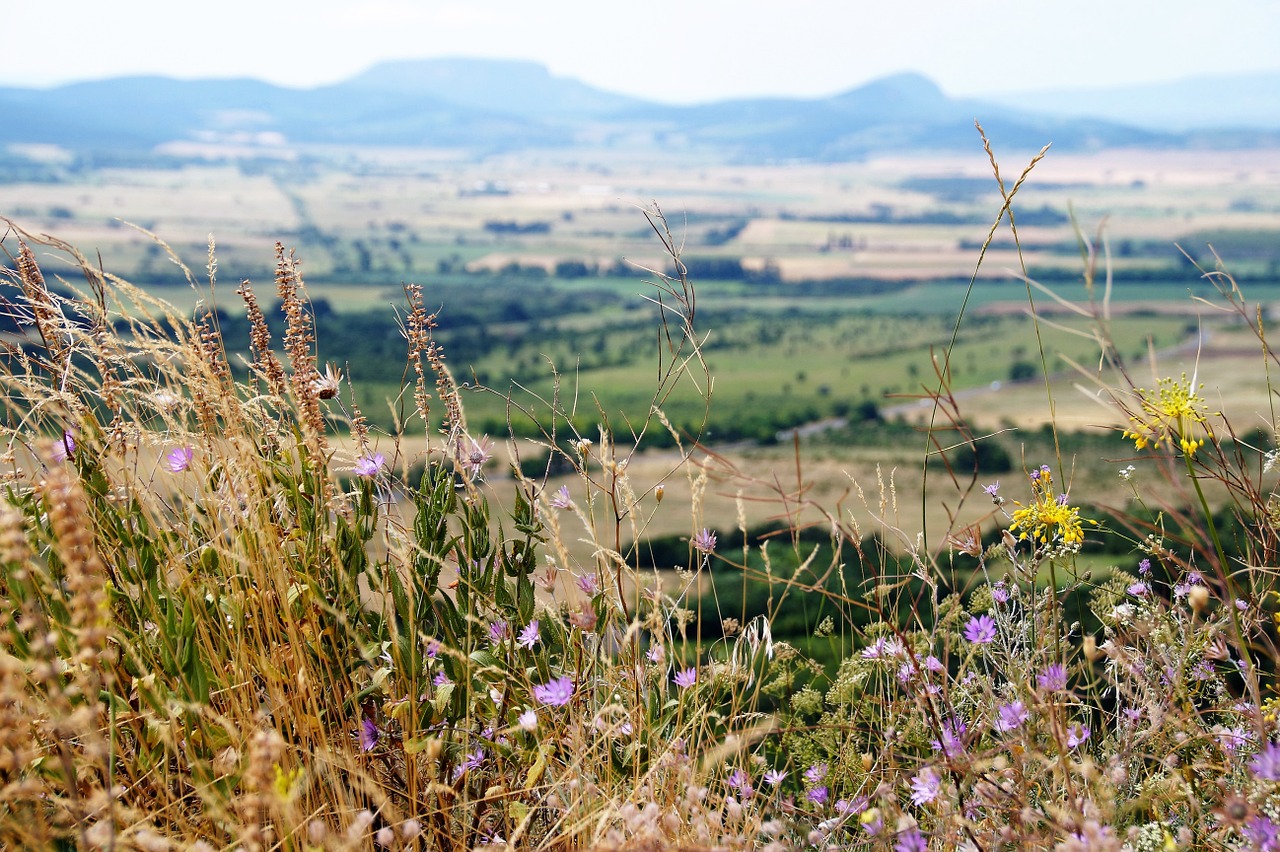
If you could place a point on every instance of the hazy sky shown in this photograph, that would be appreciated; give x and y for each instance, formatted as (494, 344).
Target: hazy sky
(669, 50)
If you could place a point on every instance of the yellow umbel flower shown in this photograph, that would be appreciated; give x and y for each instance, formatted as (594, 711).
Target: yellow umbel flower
(1172, 412)
(1049, 521)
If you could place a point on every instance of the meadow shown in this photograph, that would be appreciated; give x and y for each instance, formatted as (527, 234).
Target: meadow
(856, 543)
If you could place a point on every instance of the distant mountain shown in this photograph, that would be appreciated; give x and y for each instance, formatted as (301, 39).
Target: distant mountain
(902, 112)
(1219, 102)
(486, 106)
(511, 86)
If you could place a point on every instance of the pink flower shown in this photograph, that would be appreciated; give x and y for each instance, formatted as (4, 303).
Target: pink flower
(687, 678)
(560, 500)
(179, 459)
(705, 541)
(63, 448)
(981, 630)
(555, 693)
(368, 466)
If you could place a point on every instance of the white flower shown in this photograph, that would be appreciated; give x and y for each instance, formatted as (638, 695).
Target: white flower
(1126, 472)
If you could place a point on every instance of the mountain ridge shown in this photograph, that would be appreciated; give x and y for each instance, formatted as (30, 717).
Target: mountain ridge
(486, 106)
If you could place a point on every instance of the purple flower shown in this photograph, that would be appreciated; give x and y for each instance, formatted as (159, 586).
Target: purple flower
(560, 500)
(818, 795)
(925, 787)
(933, 664)
(1144, 567)
(1076, 735)
(1052, 678)
(774, 777)
(705, 541)
(1009, 717)
(368, 466)
(1232, 738)
(981, 630)
(999, 593)
(499, 631)
(441, 679)
(555, 693)
(529, 636)
(815, 773)
(992, 490)
(473, 761)
(588, 584)
(1138, 589)
(911, 840)
(179, 459)
(63, 448)
(1262, 833)
(687, 678)
(1266, 763)
(369, 735)
(951, 741)
(656, 654)
(433, 648)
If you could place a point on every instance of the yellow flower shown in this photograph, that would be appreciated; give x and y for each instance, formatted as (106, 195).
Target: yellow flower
(1172, 412)
(1049, 519)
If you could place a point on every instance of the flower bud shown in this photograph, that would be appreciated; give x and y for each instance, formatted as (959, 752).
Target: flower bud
(1198, 597)
(658, 492)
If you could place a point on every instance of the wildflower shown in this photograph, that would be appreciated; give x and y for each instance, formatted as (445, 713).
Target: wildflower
(179, 459)
(656, 654)
(992, 490)
(1266, 763)
(705, 541)
(555, 693)
(933, 664)
(499, 631)
(528, 721)
(1231, 739)
(1172, 411)
(368, 466)
(1049, 519)
(326, 386)
(1009, 717)
(815, 773)
(1138, 589)
(560, 500)
(981, 630)
(441, 679)
(529, 636)
(911, 840)
(589, 584)
(583, 618)
(1052, 678)
(1262, 833)
(872, 821)
(1144, 567)
(1126, 472)
(63, 448)
(999, 593)
(774, 777)
(433, 648)
(738, 779)
(473, 458)
(925, 787)
(951, 740)
(369, 735)
(686, 678)
(473, 761)
(818, 795)
(1076, 735)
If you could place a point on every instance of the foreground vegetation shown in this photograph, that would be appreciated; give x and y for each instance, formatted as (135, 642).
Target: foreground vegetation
(235, 615)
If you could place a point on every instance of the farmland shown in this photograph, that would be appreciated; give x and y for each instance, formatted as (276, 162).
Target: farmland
(826, 293)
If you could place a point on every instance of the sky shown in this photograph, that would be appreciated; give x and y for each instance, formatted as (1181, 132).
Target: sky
(675, 51)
